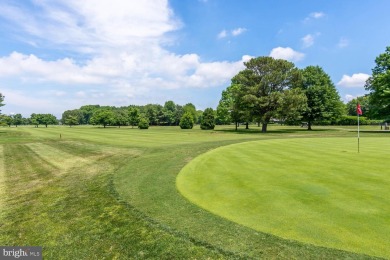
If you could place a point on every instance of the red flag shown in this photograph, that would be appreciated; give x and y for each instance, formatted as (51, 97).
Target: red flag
(359, 110)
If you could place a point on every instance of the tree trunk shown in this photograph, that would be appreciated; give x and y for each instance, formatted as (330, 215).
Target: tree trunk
(264, 127)
(236, 126)
(309, 125)
(246, 125)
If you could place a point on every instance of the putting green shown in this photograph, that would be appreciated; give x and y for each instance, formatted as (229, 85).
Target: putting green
(314, 190)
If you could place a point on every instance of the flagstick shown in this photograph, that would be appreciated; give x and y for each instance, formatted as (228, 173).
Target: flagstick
(358, 134)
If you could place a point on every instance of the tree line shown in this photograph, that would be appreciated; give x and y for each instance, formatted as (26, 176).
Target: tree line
(268, 90)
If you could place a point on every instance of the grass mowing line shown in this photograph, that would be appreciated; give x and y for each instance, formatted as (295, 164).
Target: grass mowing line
(318, 191)
(2, 181)
(76, 217)
(61, 160)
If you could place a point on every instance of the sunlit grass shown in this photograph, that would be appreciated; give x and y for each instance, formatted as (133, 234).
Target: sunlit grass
(318, 191)
(93, 193)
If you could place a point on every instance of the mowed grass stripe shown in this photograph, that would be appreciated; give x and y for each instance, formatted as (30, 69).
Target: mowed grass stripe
(63, 161)
(73, 216)
(3, 192)
(318, 191)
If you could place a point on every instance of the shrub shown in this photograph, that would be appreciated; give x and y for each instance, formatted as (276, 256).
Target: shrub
(143, 123)
(186, 121)
(208, 119)
(352, 120)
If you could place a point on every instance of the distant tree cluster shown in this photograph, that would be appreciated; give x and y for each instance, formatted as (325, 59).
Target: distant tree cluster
(170, 114)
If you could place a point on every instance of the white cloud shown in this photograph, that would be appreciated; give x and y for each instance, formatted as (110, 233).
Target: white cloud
(349, 97)
(121, 44)
(286, 54)
(317, 15)
(238, 31)
(307, 41)
(343, 42)
(90, 25)
(314, 15)
(357, 80)
(222, 34)
(234, 33)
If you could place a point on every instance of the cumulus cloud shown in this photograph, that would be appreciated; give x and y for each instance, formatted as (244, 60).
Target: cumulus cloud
(355, 81)
(121, 46)
(286, 54)
(234, 33)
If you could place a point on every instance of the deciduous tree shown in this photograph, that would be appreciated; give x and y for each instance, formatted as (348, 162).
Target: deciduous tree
(134, 116)
(103, 117)
(323, 100)
(379, 86)
(261, 86)
(17, 119)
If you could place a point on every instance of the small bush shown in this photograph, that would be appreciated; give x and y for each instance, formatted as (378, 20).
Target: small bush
(208, 119)
(143, 123)
(187, 121)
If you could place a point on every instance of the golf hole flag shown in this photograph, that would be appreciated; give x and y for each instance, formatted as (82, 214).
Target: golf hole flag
(359, 113)
(359, 110)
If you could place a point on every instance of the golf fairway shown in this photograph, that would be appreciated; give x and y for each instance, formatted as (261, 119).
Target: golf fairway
(319, 191)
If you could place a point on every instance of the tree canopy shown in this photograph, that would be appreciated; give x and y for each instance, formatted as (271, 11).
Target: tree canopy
(323, 100)
(379, 86)
(258, 90)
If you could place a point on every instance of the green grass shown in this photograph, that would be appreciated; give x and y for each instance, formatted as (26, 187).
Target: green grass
(318, 191)
(111, 194)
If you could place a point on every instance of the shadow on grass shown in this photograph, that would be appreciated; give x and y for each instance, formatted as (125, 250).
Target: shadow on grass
(371, 131)
(273, 131)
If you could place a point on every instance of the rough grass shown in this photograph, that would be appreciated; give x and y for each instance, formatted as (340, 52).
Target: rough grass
(110, 194)
(318, 191)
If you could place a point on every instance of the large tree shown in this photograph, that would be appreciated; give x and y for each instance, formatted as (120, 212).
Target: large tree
(73, 117)
(262, 86)
(229, 109)
(323, 100)
(379, 86)
(103, 117)
(134, 116)
(17, 119)
(47, 119)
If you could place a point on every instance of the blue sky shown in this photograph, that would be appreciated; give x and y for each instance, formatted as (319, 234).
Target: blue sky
(60, 55)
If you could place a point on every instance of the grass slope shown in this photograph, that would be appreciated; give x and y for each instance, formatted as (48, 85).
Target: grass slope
(110, 194)
(318, 191)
